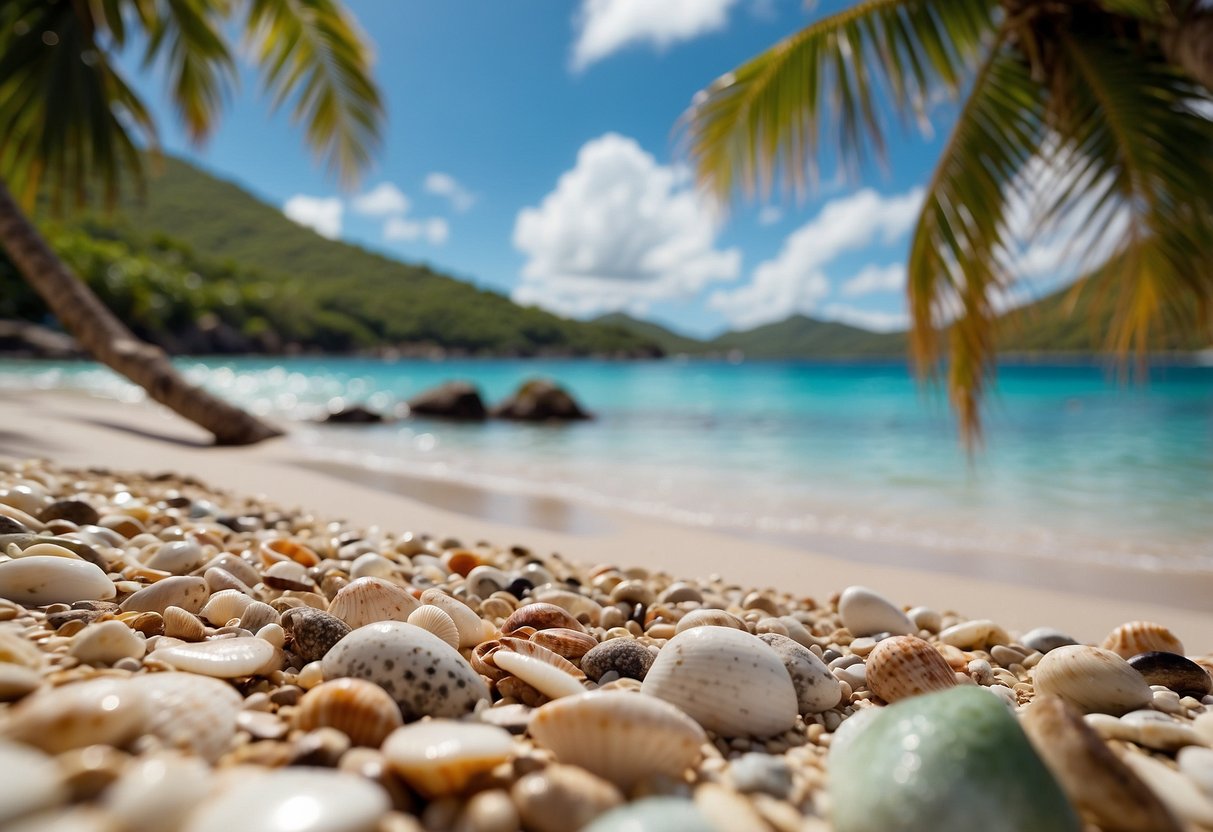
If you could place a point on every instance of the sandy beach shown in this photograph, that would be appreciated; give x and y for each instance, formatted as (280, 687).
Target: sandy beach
(76, 430)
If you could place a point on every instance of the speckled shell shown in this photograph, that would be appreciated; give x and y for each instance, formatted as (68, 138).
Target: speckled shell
(540, 616)
(903, 666)
(627, 657)
(1128, 640)
(313, 632)
(471, 627)
(708, 618)
(571, 644)
(361, 710)
(435, 620)
(816, 688)
(727, 680)
(367, 600)
(1092, 679)
(419, 670)
(441, 757)
(95, 712)
(188, 712)
(626, 738)
(183, 591)
(43, 579)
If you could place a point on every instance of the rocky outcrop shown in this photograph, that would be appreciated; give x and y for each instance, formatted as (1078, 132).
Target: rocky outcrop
(354, 415)
(541, 400)
(25, 340)
(452, 400)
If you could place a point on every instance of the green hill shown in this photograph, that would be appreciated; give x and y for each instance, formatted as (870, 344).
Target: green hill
(803, 337)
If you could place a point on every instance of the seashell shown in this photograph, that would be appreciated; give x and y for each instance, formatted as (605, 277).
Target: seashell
(76, 512)
(1176, 672)
(708, 618)
(633, 592)
(188, 592)
(273, 551)
(471, 627)
(367, 600)
(925, 618)
(461, 561)
(226, 658)
(903, 666)
(496, 608)
(183, 625)
(16, 649)
(1159, 731)
(29, 497)
(491, 810)
(1094, 778)
(30, 784)
(155, 794)
(257, 615)
(971, 635)
(94, 712)
(419, 670)
(50, 550)
(372, 565)
(223, 606)
(654, 814)
(40, 580)
(288, 575)
(313, 632)
(550, 680)
(513, 688)
(816, 688)
(219, 580)
(1128, 640)
(541, 616)
(481, 658)
(623, 737)
(571, 644)
(484, 580)
(177, 557)
(573, 603)
(948, 761)
(441, 757)
(233, 566)
(123, 524)
(361, 710)
(560, 798)
(729, 681)
(106, 642)
(866, 613)
(680, 592)
(1196, 763)
(294, 800)
(17, 681)
(625, 656)
(274, 634)
(1092, 679)
(1181, 796)
(432, 618)
(31, 545)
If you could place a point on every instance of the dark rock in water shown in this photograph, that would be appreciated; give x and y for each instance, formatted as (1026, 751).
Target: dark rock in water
(1176, 672)
(541, 400)
(453, 400)
(354, 415)
(74, 511)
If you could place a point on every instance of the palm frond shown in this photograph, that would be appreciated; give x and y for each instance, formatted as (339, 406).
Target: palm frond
(188, 36)
(766, 118)
(311, 52)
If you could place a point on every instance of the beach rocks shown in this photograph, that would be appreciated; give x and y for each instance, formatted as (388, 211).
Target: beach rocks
(354, 415)
(457, 400)
(1092, 679)
(1171, 670)
(867, 613)
(816, 688)
(1044, 639)
(623, 656)
(40, 579)
(540, 400)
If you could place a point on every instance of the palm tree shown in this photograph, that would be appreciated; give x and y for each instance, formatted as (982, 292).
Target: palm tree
(1096, 109)
(74, 127)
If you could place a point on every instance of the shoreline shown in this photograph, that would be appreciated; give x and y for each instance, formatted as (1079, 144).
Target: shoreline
(81, 431)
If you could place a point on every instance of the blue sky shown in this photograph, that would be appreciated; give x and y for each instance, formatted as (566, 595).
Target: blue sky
(530, 148)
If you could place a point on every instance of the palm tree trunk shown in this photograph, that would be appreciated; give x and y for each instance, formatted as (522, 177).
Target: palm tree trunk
(109, 341)
(1190, 46)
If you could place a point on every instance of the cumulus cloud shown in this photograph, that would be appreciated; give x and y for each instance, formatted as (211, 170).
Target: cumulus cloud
(446, 186)
(873, 278)
(874, 319)
(619, 231)
(383, 200)
(434, 230)
(770, 214)
(794, 281)
(321, 214)
(606, 26)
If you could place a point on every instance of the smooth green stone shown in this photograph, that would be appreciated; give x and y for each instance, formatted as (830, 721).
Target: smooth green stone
(653, 814)
(953, 761)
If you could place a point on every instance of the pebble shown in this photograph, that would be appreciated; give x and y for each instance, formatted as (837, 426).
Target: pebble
(42, 579)
(865, 613)
(761, 773)
(1046, 639)
(107, 642)
(562, 798)
(1174, 671)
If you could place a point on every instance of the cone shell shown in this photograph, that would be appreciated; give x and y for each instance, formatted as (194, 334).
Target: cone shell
(434, 619)
(441, 757)
(361, 710)
(183, 625)
(729, 681)
(1128, 640)
(1092, 679)
(471, 627)
(572, 644)
(369, 600)
(903, 666)
(626, 738)
(540, 616)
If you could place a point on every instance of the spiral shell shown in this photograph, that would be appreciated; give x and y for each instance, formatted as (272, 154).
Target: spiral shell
(434, 619)
(1128, 640)
(313, 632)
(903, 666)
(368, 600)
(361, 710)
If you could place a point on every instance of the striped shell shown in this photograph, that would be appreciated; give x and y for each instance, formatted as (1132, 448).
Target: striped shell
(1092, 679)
(189, 712)
(369, 600)
(223, 606)
(471, 627)
(187, 592)
(183, 625)
(541, 616)
(434, 619)
(361, 710)
(1128, 640)
(572, 644)
(903, 666)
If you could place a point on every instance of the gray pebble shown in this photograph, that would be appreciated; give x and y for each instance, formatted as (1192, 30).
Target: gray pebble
(619, 655)
(763, 773)
(1044, 639)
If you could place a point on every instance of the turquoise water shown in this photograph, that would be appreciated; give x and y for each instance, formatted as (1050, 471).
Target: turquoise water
(1076, 465)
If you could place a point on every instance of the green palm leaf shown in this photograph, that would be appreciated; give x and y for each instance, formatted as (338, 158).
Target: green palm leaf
(188, 36)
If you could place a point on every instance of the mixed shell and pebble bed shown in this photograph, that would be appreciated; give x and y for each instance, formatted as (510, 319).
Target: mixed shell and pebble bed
(173, 657)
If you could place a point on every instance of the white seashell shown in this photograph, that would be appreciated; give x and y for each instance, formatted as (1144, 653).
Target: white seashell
(729, 681)
(183, 625)
(41, 580)
(224, 605)
(432, 618)
(1156, 730)
(708, 618)
(816, 688)
(188, 712)
(925, 618)
(220, 579)
(184, 591)
(903, 666)
(49, 550)
(155, 794)
(372, 565)
(971, 635)
(30, 783)
(226, 658)
(440, 757)
(256, 615)
(1136, 637)
(95, 712)
(294, 800)
(25, 519)
(1196, 763)
(287, 574)
(484, 580)
(361, 710)
(469, 624)
(1092, 679)
(29, 497)
(274, 634)
(234, 566)
(623, 737)
(368, 600)
(546, 678)
(177, 557)
(106, 642)
(865, 613)
(420, 671)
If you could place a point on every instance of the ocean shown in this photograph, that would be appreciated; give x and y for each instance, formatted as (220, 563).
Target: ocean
(840, 457)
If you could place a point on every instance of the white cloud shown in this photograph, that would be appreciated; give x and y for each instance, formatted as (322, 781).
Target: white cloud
(794, 281)
(619, 232)
(873, 278)
(434, 230)
(866, 318)
(321, 214)
(445, 185)
(384, 200)
(770, 214)
(606, 26)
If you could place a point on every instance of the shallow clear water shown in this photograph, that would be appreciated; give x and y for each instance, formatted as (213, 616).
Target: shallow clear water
(1076, 466)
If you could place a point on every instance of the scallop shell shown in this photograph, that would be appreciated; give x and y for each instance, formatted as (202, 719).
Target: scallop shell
(185, 591)
(1128, 640)
(729, 681)
(106, 642)
(903, 666)
(572, 644)
(183, 625)
(541, 616)
(313, 632)
(865, 613)
(223, 606)
(1092, 679)
(435, 620)
(367, 600)
(471, 627)
(441, 757)
(188, 712)
(41, 579)
(547, 678)
(361, 710)
(225, 658)
(94, 712)
(623, 737)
